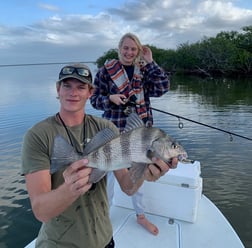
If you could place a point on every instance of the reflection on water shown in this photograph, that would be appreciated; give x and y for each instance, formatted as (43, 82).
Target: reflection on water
(226, 165)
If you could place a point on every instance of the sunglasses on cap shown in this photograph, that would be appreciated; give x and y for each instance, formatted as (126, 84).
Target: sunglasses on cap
(69, 70)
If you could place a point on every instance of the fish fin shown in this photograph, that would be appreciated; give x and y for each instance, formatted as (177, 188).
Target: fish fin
(136, 171)
(100, 139)
(62, 155)
(96, 175)
(133, 121)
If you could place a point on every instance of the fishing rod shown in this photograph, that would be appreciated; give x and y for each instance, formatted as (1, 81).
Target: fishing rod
(200, 123)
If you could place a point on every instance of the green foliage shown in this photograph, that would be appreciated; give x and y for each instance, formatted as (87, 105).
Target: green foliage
(245, 40)
(187, 56)
(110, 54)
(165, 58)
(218, 53)
(228, 53)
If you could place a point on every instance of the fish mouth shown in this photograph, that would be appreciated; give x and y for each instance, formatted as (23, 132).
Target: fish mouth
(183, 159)
(186, 161)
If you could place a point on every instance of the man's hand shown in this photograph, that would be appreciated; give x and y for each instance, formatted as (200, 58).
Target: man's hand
(77, 177)
(159, 168)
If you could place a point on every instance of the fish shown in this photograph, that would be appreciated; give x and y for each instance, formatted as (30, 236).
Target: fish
(133, 148)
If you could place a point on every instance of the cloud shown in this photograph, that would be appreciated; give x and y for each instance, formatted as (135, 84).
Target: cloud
(184, 17)
(163, 23)
(49, 7)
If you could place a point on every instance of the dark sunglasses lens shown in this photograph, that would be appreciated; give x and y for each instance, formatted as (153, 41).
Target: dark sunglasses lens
(83, 72)
(67, 70)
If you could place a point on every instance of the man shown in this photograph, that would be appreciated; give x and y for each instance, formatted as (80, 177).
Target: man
(74, 212)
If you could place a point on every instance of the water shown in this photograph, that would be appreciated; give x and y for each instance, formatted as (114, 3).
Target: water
(28, 95)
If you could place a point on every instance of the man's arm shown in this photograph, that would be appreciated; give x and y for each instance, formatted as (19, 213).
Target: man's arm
(152, 173)
(46, 202)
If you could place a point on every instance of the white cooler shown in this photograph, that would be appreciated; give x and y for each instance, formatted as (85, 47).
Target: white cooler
(179, 192)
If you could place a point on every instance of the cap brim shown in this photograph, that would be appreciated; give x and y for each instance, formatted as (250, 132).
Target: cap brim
(81, 79)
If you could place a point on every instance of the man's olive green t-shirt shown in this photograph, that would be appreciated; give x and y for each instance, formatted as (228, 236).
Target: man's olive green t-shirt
(86, 222)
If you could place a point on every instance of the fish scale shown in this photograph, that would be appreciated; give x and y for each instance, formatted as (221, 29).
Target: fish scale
(137, 150)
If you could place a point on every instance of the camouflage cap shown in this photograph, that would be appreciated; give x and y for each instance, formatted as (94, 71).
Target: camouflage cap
(80, 72)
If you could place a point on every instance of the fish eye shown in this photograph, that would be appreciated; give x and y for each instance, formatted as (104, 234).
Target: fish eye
(174, 145)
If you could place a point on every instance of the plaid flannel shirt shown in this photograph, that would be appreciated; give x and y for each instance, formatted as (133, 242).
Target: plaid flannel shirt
(153, 82)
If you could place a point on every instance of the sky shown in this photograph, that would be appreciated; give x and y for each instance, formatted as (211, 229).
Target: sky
(43, 31)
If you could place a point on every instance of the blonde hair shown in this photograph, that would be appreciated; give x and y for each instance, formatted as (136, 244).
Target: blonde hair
(136, 40)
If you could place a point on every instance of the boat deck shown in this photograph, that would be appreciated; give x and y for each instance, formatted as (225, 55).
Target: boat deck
(211, 229)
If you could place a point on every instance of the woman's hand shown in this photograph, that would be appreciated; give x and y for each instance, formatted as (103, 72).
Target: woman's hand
(147, 54)
(118, 99)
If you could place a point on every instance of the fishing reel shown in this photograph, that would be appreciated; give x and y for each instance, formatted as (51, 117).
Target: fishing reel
(130, 105)
(127, 110)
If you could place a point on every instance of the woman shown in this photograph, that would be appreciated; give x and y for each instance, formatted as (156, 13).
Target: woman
(125, 85)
